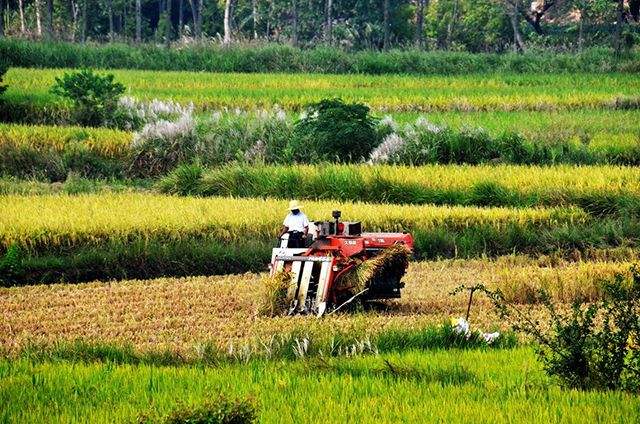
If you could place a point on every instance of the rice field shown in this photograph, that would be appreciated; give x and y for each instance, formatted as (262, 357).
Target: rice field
(610, 188)
(104, 141)
(390, 93)
(443, 386)
(36, 222)
(178, 314)
(123, 266)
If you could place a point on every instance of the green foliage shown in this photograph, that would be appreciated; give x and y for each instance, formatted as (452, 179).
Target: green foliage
(3, 70)
(321, 59)
(94, 97)
(11, 264)
(591, 347)
(218, 411)
(335, 131)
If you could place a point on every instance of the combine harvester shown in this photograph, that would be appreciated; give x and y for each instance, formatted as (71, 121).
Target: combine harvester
(340, 264)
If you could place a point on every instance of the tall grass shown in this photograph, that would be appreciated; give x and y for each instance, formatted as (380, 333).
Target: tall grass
(448, 386)
(283, 58)
(601, 190)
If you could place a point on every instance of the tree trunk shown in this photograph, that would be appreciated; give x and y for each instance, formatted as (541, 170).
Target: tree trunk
(83, 30)
(254, 18)
(21, 12)
(110, 12)
(227, 23)
(74, 13)
(168, 26)
(138, 21)
(581, 30)
(617, 34)
(180, 17)
(2, 6)
(515, 25)
(328, 36)
(199, 23)
(50, 19)
(452, 23)
(386, 24)
(295, 22)
(38, 19)
(420, 23)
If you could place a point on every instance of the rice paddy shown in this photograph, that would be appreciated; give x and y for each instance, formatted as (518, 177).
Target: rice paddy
(179, 277)
(384, 93)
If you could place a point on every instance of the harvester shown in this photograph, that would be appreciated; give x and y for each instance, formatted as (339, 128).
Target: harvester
(340, 263)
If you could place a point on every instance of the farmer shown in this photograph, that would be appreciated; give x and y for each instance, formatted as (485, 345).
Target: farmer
(296, 225)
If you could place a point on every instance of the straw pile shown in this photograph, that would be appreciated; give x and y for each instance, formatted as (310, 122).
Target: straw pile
(389, 264)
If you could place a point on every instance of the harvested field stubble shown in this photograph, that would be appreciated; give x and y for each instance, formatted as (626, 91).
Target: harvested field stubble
(179, 314)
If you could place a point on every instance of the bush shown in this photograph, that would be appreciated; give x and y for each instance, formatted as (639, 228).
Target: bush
(3, 70)
(163, 145)
(94, 97)
(332, 130)
(218, 411)
(594, 346)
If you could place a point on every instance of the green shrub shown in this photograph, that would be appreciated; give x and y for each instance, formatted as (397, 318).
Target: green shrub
(94, 97)
(163, 145)
(592, 347)
(218, 411)
(322, 59)
(3, 70)
(335, 131)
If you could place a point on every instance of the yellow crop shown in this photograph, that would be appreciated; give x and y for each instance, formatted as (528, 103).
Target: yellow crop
(104, 141)
(37, 221)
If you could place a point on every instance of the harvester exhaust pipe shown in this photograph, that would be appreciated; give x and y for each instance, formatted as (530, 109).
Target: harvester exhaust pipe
(336, 215)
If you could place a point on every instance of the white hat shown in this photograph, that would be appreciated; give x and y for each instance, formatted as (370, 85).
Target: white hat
(293, 205)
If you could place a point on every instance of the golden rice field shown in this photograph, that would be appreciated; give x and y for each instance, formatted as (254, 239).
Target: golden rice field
(179, 314)
(62, 220)
(552, 182)
(104, 141)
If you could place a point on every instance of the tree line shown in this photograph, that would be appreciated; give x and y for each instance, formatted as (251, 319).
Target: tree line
(459, 25)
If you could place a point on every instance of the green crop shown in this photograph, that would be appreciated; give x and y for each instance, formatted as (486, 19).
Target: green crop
(501, 386)
(384, 93)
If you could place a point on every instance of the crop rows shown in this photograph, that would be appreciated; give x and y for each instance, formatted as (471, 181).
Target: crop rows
(177, 314)
(439, 386)
(52, 152)
(86, 237)
(388, 93)
(36, 222)
(599, 189)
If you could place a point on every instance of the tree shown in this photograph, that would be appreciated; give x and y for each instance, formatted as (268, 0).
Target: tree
(386, 24)
(168, 24)
(2, 6)
(138, 21)
(617, 34)
(421, 6)
(328, 5)
(254, 18)
(50, 19)
(21, 13)
(227, 22)
(512, 11)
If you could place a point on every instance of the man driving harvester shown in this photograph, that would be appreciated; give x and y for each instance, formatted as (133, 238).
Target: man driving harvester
(296, 225)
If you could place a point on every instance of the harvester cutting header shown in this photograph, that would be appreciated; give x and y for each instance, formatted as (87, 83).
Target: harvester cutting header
(334, 263)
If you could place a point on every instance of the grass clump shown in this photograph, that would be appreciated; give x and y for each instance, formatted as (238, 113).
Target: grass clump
(220, 410)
